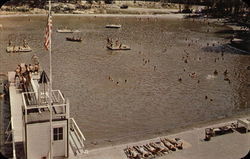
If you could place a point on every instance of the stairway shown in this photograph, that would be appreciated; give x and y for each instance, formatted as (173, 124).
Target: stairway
(75, 143)
(76, 139)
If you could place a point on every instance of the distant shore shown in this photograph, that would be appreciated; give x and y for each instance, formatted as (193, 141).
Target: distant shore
(176, 16)
(96, 11)
(144, 13)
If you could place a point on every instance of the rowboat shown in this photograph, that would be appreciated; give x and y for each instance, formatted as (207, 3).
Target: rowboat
(124, 6)
(236, 40)
(73, 39)
(67, 31)
(113, 26)
(14, 49)
(119, 47)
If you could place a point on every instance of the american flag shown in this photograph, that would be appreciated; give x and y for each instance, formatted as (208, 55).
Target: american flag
(48, 30)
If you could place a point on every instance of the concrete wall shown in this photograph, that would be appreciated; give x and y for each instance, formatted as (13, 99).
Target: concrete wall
(38, 140)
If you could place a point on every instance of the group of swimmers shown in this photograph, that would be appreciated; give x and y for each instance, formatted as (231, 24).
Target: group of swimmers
(23, 72)
(117, 43)
(25, 45)
(117, 83)
(146, 61)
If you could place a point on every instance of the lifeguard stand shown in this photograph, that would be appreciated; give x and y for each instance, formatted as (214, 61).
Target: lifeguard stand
(30, 122)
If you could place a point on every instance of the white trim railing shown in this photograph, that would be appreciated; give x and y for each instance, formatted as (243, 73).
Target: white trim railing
(79, 135)
(75, 127)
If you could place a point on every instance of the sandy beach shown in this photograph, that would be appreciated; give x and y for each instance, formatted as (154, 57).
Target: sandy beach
(228, 146)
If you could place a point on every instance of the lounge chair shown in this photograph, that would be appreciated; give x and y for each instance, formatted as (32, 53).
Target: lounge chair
(211, 132)
(151, 149)
(142, 151)
(177, 143)
(168, 145)
(132, 153)
(159, 147)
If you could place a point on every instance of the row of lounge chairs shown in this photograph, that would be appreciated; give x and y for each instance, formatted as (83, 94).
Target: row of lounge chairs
(153, 149)
(215, 131)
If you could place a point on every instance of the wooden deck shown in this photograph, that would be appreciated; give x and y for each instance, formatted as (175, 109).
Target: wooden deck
(16, 112)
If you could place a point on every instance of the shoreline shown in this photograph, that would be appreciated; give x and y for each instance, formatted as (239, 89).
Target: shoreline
(193, 143)
(170, 15)
(202, 125)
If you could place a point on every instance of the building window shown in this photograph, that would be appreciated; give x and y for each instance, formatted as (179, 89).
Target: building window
(58, 133)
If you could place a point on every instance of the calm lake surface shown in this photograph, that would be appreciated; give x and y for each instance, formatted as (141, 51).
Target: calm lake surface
(152, 101)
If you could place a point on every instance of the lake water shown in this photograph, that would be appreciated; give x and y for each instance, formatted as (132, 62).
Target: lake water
(152, 101)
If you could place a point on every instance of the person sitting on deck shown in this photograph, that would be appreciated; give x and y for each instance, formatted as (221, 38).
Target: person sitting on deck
(14, 48)
(23, 69)
(117, 42)
(26, 74)
(18, 71)
(36, 68)
(23, 82)
(10, 42)
(17, 75)
(25, 44)
(111, 42)
(31, 68)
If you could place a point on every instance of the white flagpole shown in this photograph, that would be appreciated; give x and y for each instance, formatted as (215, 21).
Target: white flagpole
(50, 85)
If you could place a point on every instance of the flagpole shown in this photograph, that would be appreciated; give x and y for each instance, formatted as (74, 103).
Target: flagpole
(50, 85)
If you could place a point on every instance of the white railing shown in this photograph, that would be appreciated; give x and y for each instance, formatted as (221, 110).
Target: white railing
(75, 127)
(78, 133)
(30, 98)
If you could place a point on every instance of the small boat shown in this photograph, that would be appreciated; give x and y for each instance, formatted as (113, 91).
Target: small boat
(73, 39)
(119, 47)
(236, 40)
(66, 31)
(124, 6)
(113, 26)
(14, 49)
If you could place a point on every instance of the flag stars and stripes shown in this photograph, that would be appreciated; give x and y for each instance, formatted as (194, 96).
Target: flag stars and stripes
(48, 31)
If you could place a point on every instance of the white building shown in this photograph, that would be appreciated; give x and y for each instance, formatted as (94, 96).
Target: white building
(30, 122)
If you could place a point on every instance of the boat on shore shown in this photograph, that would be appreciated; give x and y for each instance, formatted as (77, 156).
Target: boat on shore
(113, 26)
(16, 49)
(73, 39)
